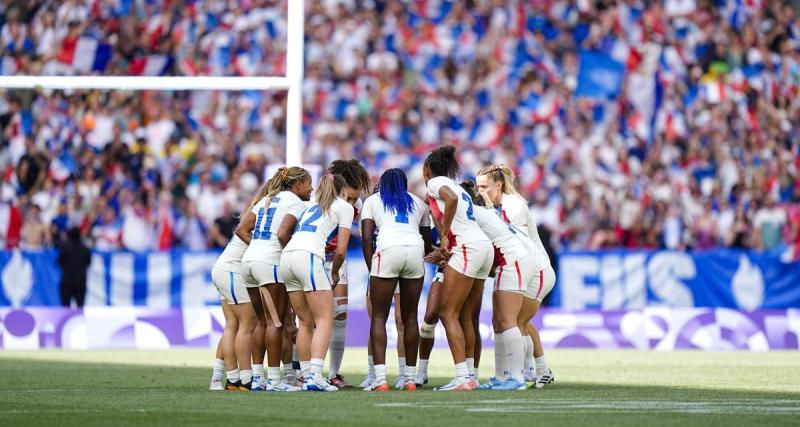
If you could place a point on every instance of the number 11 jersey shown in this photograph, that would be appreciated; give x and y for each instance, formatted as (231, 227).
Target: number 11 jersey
(264, 246)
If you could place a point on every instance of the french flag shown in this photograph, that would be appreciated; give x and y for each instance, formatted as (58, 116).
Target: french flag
(88, 55)
(151, 65)
(714, 91)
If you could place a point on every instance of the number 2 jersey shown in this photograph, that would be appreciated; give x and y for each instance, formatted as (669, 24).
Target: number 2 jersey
(315, 228)
(396, 229)
(264, 246)
(464, 228)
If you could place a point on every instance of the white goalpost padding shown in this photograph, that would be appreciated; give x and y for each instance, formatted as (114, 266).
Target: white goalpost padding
(292, 82)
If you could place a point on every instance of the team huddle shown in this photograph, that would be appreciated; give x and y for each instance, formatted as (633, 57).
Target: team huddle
(282, 279)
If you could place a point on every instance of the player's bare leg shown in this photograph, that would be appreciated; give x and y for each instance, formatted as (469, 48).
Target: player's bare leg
(467, 319)
(427, 332)
(259, 348)
(410, 291)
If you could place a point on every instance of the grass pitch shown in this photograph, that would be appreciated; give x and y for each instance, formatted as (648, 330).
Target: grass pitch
(635, 388)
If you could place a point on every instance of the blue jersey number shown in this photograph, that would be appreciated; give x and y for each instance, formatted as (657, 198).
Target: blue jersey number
(401, 218)
(466, 198)
(315, 214)
(265, 234)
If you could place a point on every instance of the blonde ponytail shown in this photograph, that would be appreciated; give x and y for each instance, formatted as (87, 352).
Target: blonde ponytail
(283, 179)
(328, 190)
(504, 175)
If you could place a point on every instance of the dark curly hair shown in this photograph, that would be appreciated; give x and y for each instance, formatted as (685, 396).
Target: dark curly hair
(442, 162)
(353, 173)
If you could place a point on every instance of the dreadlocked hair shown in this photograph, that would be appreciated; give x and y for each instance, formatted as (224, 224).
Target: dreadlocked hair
(394, 192)
(352, 172)
(442, 162)
(504, 175)
(328, 190)
(283, 179)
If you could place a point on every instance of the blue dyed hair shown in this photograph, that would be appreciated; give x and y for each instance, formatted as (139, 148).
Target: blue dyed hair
(393, 187)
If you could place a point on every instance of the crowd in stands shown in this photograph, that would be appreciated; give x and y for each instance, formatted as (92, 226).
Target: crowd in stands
(698, 148)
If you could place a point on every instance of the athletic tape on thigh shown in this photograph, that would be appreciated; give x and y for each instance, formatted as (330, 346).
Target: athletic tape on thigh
(427, 331)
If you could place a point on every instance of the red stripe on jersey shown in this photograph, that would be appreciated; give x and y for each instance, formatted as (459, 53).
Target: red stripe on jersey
(497, 281)
(519, 274)
(499, 259)
(464, 251)
(439, 215)
(379, 263)
(541, 283)
(505, 217)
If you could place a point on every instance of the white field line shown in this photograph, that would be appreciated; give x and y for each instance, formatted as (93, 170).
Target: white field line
(735, 406)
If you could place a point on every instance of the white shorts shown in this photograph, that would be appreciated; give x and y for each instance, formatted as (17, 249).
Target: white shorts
(342, 271)
(473, 259)
(543, 283)
(304, 271)
(517, 276)
(257, 273)
(230, 286)
(405, 262)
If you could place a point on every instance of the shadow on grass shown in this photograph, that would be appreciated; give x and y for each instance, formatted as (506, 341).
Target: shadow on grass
(105, 394)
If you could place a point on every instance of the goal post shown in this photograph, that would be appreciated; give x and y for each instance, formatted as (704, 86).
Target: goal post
(292, 82)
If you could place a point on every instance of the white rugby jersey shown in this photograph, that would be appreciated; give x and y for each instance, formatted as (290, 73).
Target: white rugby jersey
(396, 229)
(231, 257)
(265, 246)
(511, 243)
(315, 229)
(514, 210)
(464, 228)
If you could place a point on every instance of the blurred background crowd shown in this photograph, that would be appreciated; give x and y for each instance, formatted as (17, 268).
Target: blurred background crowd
(698, 147)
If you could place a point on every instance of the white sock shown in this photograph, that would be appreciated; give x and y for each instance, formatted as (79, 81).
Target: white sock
(411, 372)
(274, 374)
(233, 375)
(471, 366)
(246, 375)
(541, 364)
(477, 375)
(316, 367)
(305, 368)
(500, 368)
(462, 371)
(515, 354)
(422, 371)
(219, 370)
(529, 363)
(258, 370)
(289, 374)
(401, 362)
(371, 369)
(380, 374)
(338, 338)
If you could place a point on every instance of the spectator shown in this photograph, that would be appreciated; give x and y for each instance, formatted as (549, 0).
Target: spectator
(137, 227)
(74, 259)
(35, 233)
(769, 222)
(223, 227)
(191, 230)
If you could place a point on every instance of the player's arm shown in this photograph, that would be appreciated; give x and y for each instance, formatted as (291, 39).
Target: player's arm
(345, 216)
(450, 200)
(245, 228)
(286, 229)
(340, 254)
(367, 233)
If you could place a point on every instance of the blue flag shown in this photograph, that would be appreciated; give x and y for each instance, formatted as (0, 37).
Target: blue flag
(599, 77)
